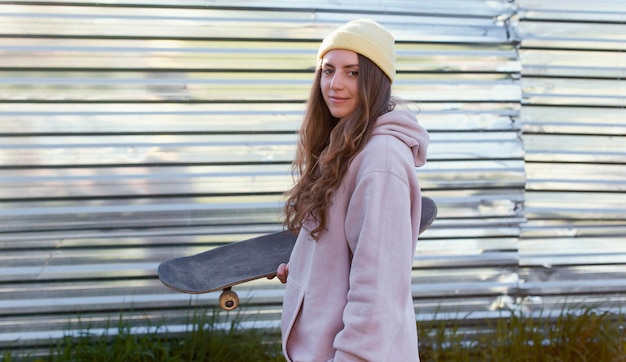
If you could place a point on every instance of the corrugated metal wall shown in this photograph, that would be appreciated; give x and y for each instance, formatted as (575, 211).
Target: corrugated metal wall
(574, 131)
(136, 131)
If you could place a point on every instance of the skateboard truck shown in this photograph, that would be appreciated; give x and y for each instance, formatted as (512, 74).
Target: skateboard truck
(229, 300)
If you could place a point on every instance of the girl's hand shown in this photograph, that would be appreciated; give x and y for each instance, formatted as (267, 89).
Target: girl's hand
(282, 273)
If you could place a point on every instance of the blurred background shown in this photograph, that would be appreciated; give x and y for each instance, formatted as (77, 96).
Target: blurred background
(134, 131)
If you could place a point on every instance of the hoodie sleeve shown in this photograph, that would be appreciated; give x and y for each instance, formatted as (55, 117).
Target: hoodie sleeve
(379, 233)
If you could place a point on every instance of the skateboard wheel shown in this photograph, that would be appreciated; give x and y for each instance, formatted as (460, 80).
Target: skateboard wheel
(229, 300)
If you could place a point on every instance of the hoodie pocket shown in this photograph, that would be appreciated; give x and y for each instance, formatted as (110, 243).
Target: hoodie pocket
(292, 303)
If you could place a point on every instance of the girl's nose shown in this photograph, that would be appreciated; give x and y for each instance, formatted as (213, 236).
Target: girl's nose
(336, 82)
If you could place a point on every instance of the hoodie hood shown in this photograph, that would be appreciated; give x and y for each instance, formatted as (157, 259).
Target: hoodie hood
(403, 125)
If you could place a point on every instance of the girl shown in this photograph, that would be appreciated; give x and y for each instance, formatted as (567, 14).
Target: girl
(356, 206)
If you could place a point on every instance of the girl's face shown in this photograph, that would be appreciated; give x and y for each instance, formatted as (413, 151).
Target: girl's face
(339, 82)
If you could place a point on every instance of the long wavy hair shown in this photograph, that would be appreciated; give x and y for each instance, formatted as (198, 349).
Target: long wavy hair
(327, 145)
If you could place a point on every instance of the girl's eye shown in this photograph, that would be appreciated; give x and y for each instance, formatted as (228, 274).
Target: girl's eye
(353, 73)
(327, 71)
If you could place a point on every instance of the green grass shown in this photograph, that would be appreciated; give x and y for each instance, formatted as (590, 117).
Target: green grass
(206, 339)
(580, 334)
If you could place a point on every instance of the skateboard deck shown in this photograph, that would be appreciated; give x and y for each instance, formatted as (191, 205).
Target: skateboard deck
(226, 266)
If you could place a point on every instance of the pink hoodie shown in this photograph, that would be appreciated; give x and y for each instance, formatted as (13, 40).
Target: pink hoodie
(348, 295)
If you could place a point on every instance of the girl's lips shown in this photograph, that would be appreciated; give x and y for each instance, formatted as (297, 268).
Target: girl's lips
(338, 99)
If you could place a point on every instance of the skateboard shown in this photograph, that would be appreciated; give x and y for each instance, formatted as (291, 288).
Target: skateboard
(235, 263)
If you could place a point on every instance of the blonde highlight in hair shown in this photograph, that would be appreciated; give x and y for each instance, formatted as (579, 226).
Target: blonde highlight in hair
(327, 145)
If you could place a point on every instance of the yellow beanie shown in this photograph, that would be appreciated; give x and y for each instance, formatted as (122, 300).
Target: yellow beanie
(365, 37)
